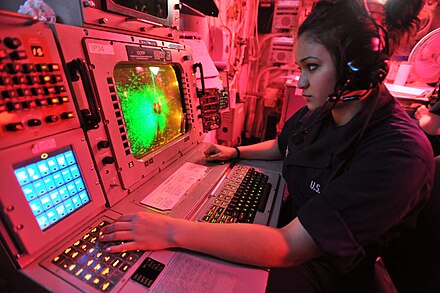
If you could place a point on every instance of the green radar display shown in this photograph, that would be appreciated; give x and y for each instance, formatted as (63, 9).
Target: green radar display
(151, 104)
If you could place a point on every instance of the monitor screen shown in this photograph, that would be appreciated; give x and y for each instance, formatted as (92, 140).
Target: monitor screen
(157, 8)
(151, 104)
(53, 186)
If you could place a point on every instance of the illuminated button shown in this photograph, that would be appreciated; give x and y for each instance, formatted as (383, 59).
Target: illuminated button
(57, 259)
(35, 79)
(56, 78)
(66, 115)
(105, 286)
(41, 67)
(63, 99)
(107, 258)
(9, 94)
(97, 268)
(88, 276)
(34, 122)
(72, 267)
(51, 118)
(132, 258)
(60, 89)
(96, 281)
(91, 250)
(12, 43)
(46, 78)
(43, 102)
(19, 80)
(116, 263)
(68, 250)
(14, 126)
(48, 90)
(12, 68)
(78, 273)
(53, 67)
(66, 264)
(124, 267)
(90, 263)
(5, 80)
(75, 254)
(27, 68)
(25, 92)
(105, 272)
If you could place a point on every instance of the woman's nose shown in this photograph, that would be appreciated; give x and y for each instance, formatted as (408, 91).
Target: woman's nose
(303, 82)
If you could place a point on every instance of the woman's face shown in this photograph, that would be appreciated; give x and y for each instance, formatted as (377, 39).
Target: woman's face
(318, 71)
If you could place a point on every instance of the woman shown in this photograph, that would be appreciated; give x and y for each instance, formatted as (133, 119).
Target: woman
(349, 161)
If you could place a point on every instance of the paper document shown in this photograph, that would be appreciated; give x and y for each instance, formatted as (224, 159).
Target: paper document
(400, 91)
(189, 274)
(201, 54)
(168, 194)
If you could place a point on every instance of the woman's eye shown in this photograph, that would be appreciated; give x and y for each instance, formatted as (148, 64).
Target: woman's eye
(311, 67)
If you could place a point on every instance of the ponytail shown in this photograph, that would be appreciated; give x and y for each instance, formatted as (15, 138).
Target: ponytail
(401, 18)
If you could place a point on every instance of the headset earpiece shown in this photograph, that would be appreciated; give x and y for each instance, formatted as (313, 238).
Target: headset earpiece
(364, 64)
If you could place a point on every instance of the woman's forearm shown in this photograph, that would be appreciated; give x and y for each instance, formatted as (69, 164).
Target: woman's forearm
(266, 150)
(243, 243)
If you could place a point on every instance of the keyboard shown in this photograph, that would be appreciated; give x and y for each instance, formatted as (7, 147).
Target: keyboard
(240, 198)
(87, 260)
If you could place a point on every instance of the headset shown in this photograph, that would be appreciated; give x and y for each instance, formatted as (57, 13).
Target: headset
(364, 66)
(364, 60)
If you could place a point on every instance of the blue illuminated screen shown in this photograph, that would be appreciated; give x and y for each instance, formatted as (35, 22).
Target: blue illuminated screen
(53, 186)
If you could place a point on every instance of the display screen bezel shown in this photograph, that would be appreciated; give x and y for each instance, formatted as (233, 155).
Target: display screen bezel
(17, 214)
(169, 91)
(167, 21)
(56, 189)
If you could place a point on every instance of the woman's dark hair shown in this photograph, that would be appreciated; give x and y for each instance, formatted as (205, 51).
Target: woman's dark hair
(361, 34)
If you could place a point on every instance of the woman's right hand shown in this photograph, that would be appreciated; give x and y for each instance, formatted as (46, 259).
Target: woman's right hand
(217, 152)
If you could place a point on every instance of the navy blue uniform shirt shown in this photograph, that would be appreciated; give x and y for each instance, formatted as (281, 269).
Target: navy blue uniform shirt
(355, 193)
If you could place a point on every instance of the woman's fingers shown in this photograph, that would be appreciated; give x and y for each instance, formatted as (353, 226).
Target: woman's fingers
(126, 246)
(116, 226)
(117, 236)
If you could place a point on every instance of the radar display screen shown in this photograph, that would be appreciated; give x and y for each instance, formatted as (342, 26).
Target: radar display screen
(151, 104)
(157, 8)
